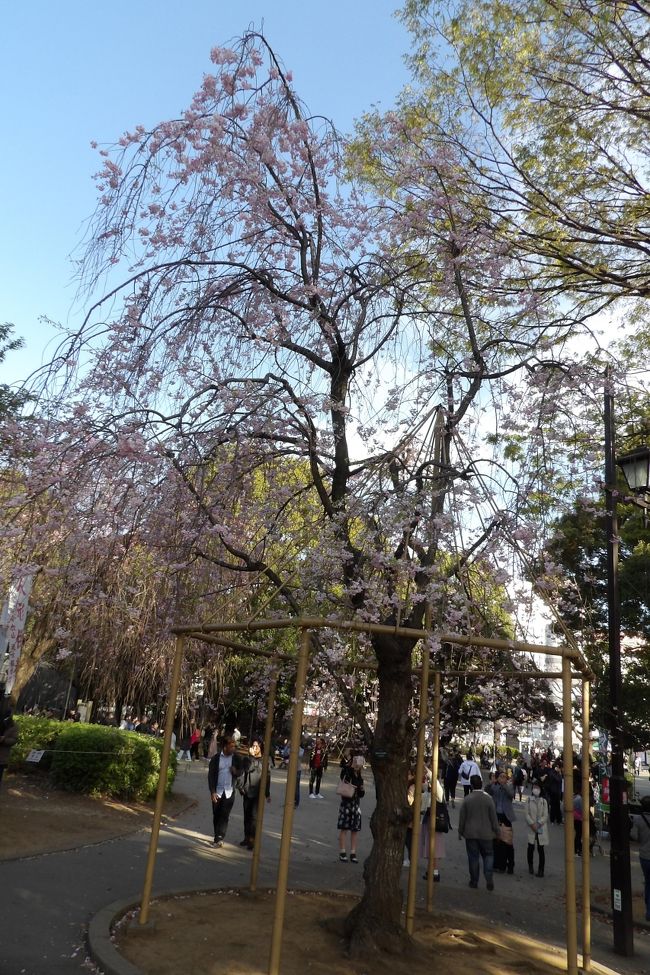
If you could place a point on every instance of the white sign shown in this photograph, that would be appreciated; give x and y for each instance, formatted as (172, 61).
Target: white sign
(14, 614)
(618, 904)
(35, 755)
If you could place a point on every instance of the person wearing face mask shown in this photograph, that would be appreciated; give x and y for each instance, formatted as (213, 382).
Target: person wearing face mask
(537, 819)
(250, 786)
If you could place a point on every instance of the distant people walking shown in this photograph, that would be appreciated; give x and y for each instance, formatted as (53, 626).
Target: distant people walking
(502, 793)
(479, 827)
(577, 822)
(467, 769)
(250, 786)
(519, 781)
(451, 779)
(349, 821)
(184, 747)
(641, 833)
(195, 741)
(224, 767)
(317, 765)
(536, 814)
(553, 785)
(430, 814)
(8, 735)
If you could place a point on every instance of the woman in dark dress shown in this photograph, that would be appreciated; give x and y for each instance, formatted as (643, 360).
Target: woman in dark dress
(349, 820)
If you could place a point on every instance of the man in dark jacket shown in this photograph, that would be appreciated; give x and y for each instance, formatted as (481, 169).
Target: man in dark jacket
(479, 827)
(225, 766)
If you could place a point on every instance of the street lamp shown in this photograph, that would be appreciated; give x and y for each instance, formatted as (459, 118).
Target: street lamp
(636, 469)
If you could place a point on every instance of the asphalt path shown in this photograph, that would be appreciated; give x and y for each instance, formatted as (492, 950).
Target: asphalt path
(49, 900)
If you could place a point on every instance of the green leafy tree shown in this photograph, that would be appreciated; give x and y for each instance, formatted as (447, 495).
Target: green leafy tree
(549, 102)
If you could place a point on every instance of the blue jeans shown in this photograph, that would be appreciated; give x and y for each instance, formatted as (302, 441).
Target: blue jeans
(475, 850)
(645, 866)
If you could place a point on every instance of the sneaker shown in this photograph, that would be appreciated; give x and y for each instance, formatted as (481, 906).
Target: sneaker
(490, 886)
(244, 843)
(319, 795)
(406, 862)
(217, 842)
(311, 795)
(436, 876)
(473, 883)
(343, 857)
(353, 858)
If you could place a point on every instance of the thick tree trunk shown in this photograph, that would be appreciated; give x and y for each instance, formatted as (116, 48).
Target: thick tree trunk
(31, 655)
(375, 923)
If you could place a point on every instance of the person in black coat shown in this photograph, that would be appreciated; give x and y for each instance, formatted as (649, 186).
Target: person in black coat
(250, 786)
(225, 766)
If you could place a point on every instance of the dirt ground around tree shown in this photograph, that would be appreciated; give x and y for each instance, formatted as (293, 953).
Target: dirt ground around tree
(229, 933)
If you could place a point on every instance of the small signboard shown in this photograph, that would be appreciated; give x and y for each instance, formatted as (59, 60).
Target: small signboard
(35, 755)
(617, 900)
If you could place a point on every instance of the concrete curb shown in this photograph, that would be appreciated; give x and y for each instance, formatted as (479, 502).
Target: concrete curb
(101, 947)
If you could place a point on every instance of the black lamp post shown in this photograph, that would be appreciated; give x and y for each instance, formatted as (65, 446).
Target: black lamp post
(636, 469)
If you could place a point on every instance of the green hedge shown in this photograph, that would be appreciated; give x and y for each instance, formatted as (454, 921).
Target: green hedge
(94, 759)
(34, 733)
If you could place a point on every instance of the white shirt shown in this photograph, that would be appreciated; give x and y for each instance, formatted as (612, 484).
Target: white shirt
(224, 779)
(467, 770)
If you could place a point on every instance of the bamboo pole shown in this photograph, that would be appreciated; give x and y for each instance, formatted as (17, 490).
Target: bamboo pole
(586, 851)
(162, 781)
(434, 789)
(318, 623)
(289, 802)
(261, 802)
(569, 862)
(417, 794)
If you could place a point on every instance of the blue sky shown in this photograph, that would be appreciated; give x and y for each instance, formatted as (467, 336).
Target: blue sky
(77, 71)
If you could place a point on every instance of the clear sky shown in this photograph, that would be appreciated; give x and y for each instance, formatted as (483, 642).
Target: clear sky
(76, 71)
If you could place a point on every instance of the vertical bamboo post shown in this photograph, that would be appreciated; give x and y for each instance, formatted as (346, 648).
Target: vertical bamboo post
(569, 862)
(586, 851)
(434, 788)
(289, 801)
(162, 781)
(417, 791)
(261, 802)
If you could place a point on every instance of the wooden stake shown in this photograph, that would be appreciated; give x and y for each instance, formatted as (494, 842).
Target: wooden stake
(162, 781)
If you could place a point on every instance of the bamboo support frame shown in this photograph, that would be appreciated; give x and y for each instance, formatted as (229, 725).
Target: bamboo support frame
(261, 802)
(586, 849)
(289, 802)
(209, 633)
(417, 795)
(569, 862)
(318, 623)
(162, 781)
(435, 746)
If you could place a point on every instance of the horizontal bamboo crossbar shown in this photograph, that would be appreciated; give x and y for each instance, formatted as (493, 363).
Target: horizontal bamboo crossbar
(196, 631)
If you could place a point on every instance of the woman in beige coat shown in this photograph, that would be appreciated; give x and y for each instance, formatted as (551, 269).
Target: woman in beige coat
(536, 815)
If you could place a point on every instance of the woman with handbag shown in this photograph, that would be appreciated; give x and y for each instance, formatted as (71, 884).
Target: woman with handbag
(351, 791)
(537, 819)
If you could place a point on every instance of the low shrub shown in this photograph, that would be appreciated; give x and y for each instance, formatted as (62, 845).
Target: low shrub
(102, 761)
(34, 734)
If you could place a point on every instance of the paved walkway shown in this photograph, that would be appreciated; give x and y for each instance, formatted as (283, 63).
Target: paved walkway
(49, 900)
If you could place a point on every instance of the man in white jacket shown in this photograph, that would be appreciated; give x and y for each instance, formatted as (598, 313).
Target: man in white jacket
(467, 769)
